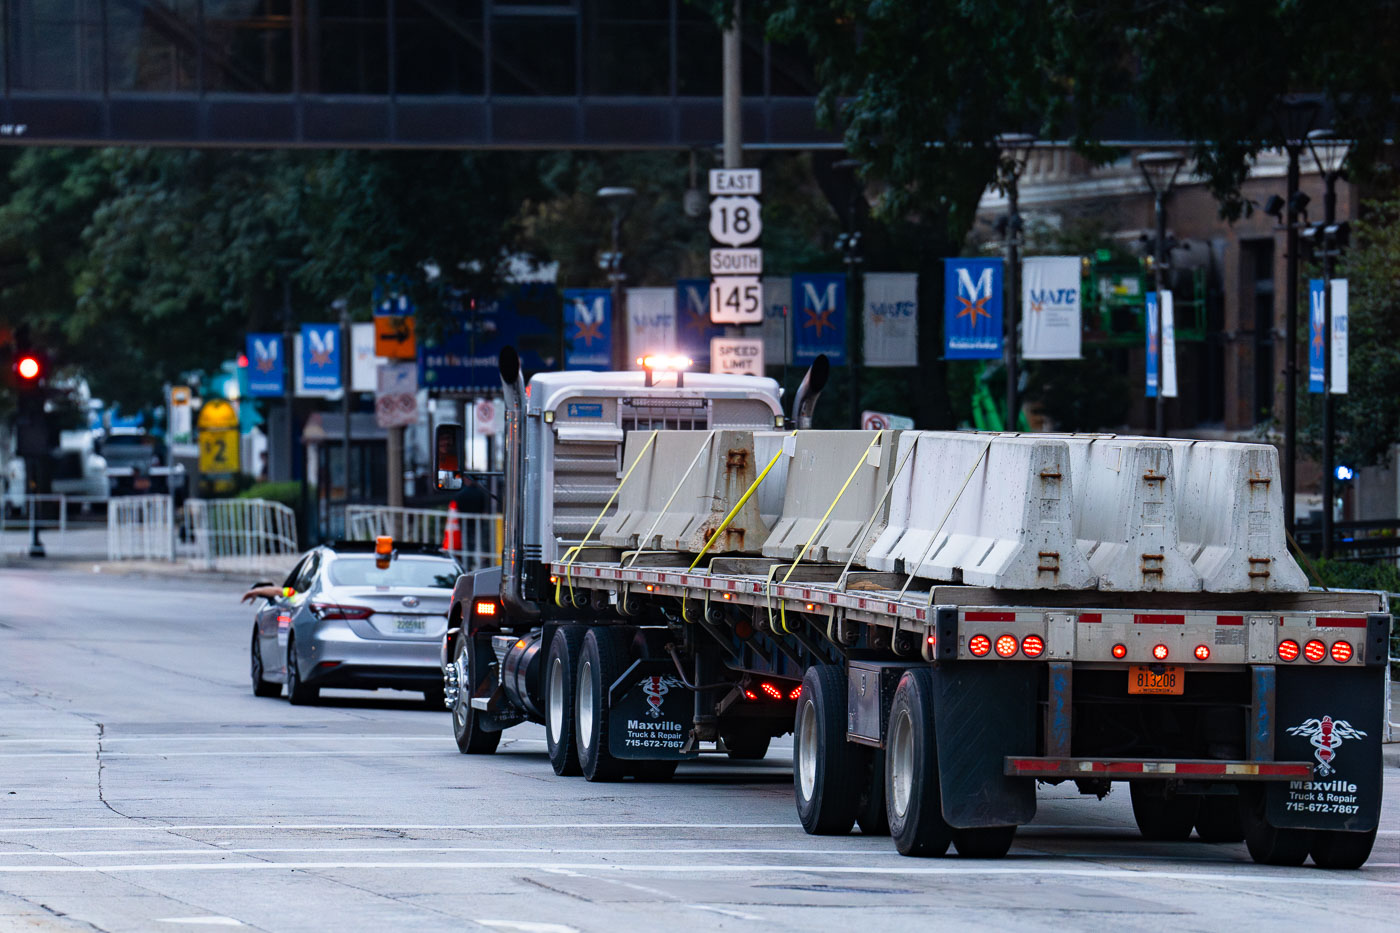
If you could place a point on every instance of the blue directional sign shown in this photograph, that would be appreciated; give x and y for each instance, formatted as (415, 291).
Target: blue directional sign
(819, 318)
(320, 356)
(1154, 346)
(693, 326)
(462, 358)
(587, 328)
(1317, 339)
(267, 367)
(972, 308)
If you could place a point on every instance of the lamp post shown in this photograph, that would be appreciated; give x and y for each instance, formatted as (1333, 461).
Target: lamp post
(619, 201)
(1013, 151)
(1159, 170)
(1329, 152)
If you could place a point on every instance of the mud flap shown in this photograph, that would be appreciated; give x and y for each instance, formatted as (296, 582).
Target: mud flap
(983, 713)
(649, 713)
(1331, 717)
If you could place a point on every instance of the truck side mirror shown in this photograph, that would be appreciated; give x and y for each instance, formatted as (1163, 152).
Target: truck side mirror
(447, 456)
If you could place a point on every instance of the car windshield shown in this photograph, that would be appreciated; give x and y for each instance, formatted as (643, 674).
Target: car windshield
(403, 571)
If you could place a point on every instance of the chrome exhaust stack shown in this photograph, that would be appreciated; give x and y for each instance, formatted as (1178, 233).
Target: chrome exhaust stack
(805, 401)
(513, 508)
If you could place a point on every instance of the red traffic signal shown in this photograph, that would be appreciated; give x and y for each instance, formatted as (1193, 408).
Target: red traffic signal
(29, 367)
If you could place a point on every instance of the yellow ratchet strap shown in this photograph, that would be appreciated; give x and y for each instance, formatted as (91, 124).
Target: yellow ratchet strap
(944, 520)
(782, 607)
(572, 552)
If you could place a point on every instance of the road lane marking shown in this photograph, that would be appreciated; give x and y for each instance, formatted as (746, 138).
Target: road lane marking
(527, 926)
(386, 827)
(204, 921)
(539, 850)
(736, 914)
(1248, 873)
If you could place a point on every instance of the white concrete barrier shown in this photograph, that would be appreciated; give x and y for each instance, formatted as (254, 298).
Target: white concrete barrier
(1231, 517)
(983, 509)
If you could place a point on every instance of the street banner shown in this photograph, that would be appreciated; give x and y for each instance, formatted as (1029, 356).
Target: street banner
(1168, 345)
(651, 323)
(320, 357)
(396, 395)
(1050, 308)
(1152, 344)
(266, 365)
(587, 328)
(891, 334)
(364, 363)
(777, 320)
(693, 327)
(819, 324)
(1339, 336)
(972, 328)
(1317, 346)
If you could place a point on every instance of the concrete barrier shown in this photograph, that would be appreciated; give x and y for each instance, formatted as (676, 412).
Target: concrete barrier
(1231, 517)
(1009, 526)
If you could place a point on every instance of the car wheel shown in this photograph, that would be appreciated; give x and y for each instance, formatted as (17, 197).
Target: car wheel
(600, 663)
(466, 724)
(261, 687)
(560, 688)
(298, 693)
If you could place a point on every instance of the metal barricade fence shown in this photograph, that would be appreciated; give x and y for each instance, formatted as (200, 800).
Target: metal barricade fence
(69, 526)
(141, 528)
(239, 535)
(480, 534)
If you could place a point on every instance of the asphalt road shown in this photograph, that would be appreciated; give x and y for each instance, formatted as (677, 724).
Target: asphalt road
(144, 788)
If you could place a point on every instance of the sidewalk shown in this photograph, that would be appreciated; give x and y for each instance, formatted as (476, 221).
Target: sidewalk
(136, 568)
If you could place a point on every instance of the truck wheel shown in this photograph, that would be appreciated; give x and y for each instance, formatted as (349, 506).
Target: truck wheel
(824, 774)
(560, 686)
(1159, 817)
(1219, 819)
(746, 743)
(466, 724)
(654, 772)
(600, 663)
(912, 799)
(984, 841)
(1267, 844)
(298, 693)
(870, 802)
(261, 688)
(1336, 848)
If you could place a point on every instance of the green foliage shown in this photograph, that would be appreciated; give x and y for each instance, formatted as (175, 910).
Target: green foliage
(1354, 575)
(288, 493)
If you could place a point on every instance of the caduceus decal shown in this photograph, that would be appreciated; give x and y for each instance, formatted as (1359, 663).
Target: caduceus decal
(1326, 734)
(655, 687)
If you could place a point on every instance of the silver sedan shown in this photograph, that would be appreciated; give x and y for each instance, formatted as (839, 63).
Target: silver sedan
(348, 617)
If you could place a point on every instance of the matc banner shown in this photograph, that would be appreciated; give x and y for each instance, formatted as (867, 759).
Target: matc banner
(651, 323)
(1051, 310)
(891, 319)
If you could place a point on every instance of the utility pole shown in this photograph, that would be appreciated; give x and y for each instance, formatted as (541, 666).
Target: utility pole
(347, 351)
(1290, 341)
(733, 89)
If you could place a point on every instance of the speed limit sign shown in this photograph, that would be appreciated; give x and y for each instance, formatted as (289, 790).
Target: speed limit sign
(735, 220)
(736, 299)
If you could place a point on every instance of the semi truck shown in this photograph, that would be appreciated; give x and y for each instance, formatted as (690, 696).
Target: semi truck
(942, 620)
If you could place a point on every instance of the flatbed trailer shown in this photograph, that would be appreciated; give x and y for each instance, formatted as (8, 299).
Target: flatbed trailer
(931, 711)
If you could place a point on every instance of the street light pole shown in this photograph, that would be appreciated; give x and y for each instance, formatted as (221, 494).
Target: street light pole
(618, 199)
(1014, 150)
(1160, 169)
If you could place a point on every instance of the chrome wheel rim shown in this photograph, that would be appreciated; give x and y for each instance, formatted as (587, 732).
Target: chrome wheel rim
(902, 762)
(807, 757)
(464, 689)
(556, 701)
(585, 705)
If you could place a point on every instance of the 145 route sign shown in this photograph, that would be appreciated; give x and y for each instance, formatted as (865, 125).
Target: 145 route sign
(736, 293)
(735, 220)
(736, 299)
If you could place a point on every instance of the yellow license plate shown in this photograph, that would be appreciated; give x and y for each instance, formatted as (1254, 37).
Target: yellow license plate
(1163, 679)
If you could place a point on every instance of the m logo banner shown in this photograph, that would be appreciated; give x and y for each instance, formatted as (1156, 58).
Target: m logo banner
(694, 329)
(587, 328)
(266, 367)
(1317, 341)
(320, 356)
(819, 322)
(1050, 308)
(1161, 350)
(972, 309)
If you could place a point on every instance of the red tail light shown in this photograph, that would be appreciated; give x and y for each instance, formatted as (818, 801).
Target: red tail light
(1202, 653)
(771, 690)
(979, 645)
(796, 692)
(1288, 650)
(751, 695)
(1160, 652)
(1341, 652)
(336, 611)
(1120, 651)
(1033, 646)
(1006, 646)
(484, 607)
(1314, 651)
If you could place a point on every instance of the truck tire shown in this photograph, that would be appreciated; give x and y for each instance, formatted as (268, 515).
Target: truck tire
(466, 724)
(261, 688)
(1335, 848)
(870, 802)
(600, 663)
(654, 772)
(746, 742)
(560, 686)
(1160, 817)
(298, 693)
(912, 798)
(824, 773)
(984, 841)
(1267, 844)
(1218, 819)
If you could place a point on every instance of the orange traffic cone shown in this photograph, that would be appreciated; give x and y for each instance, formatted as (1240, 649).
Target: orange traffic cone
(452, 533)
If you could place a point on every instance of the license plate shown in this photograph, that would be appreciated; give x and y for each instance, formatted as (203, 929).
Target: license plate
(409, 624)
(1162, 679)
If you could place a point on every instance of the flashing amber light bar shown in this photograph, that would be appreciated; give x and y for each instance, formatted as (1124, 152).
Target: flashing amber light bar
(665, 362)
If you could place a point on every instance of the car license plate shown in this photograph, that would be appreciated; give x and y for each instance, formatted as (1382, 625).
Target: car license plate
(1161, 679)
(410, 624)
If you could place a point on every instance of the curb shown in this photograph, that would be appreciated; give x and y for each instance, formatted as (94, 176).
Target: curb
(152, 569)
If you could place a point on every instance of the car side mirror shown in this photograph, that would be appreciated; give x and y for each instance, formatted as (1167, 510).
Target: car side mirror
(447, 456)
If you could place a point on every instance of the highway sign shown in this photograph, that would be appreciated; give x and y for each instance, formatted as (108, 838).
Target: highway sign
(735, 221)
(736, 299)
(736, 181)
(882, 421)
(736, 356)
(736, 262)
(394, 337)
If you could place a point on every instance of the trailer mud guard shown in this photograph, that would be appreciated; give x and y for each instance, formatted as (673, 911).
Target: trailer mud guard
(650, 713)
(1332, 717)
(982, 713)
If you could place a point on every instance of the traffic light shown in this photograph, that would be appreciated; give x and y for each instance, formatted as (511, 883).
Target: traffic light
(30, 369)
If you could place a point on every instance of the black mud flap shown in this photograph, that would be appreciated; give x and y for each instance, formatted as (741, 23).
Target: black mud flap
(1333, 718)
(983, 713)
(649, 713)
